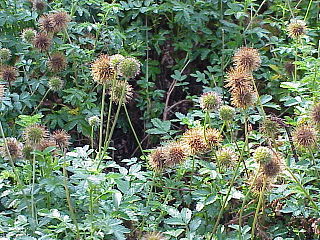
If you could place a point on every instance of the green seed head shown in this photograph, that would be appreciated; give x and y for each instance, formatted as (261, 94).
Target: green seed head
(5, 54)
(55, 84)
(210, 101)
(263, 155)
(226, 113)
(28, 35)
(129, 67)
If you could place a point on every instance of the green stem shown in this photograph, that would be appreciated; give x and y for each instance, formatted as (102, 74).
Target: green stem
(68, 197)
(308, 9)
(33, 205)
(44, 96)
(134, 132)
(91, 213)
(231, 183)
(258, 209)
(101, 117)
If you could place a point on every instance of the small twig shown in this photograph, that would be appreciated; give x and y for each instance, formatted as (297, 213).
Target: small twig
(180, 189)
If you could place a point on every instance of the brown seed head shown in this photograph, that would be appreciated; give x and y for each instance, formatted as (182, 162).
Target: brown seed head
(305, 136)
(156, 159)
(42, 41)
(243, 98)
(102, 70)
(47, 142)
(57, 62)
(175, 153)
(121, 90)
(212, 137)
(239, 79)
(194, 138)
(297, 28)
(8, 73)
(34, 134)
(14, 147)
(289, 67)
(39, 5)
(270, 128)
(46, 24)
(61, 137)
(60, 20)
(247, 59)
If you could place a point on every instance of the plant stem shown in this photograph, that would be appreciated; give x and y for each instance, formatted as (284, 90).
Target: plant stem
(231, 183)
(101, 118)
(258, 209)
(44, 96)
(134, 132)
(65, 183)
(33, 206)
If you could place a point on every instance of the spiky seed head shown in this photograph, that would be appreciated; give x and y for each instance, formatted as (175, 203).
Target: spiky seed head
(39, 5)
(102, 70)
(5, 54)
(62, 138)
(226, 156)
(116, 59)
(46, 23)
(47, 142)
(305, 136)
(212, 137)
(94, 121)
(121, 90)
(153, 236)
(156, 159)
(259, 181)
(270, 128)
(14, 147)
(129, 67)
(60, 20)
(210, 101)
(247, 59)
(8, 73)
(175, 153)
(243, 98)
(315, 113)
(238, 79)
(226, 113)
(263, 155)
(55, 84)
(28, 35)
(42, 41)
(289, 67)
(57, 62)
(34, 134)
(27, 152)
(274, 167)
(297, 28)
(194, 138)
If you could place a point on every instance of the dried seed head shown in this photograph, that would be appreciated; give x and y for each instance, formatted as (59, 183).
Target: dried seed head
(247, 59)
(156, 159)
(57, 62)
(270, 128)
(45, 143)
(212, 136)
(305, 136)
(263, 155)
(272, 168)
(259, 181)
(60, 20)
(102, 70)
(315, 113)
(42, 41)
(46, 23)
(289, 67)
(153, 236)
(194, 138)
(94, 121)
(129, 67)
(121, 91)
(175, 153)
(14, 147)
(210, 101)
(244, 98)
(226, 156)
(39, 5)
(28, 35)
(226, 113)
(238, 79)
(5, 54)
(8, 73)
(55, 84)
(62, 138)
(34, 134)
(116, 59)
(297, 28)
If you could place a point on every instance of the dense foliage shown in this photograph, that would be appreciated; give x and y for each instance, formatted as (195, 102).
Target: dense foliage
(159, 119)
